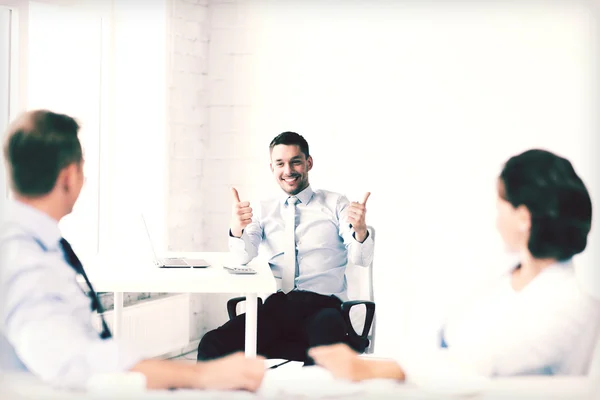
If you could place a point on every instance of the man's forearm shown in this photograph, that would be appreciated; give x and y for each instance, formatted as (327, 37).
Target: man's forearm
(243, 248)
(384, 369)
(360, 253)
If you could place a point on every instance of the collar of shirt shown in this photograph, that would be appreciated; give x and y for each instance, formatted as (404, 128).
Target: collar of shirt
(556, 267)
(304, 196)
(37, 223)
(562, 264)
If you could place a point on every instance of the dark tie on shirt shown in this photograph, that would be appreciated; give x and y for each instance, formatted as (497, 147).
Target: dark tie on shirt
(75, 263)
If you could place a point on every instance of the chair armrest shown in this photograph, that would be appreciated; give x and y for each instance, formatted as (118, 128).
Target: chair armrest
(370, 308)
(232, 305)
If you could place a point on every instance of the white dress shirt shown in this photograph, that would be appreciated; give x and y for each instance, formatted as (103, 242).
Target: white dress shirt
(46, 318)
(324, 241)
(550, 327)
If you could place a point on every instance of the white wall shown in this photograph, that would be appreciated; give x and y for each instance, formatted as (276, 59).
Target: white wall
(55, 57)
(187, 121)
(187, 113)
(137, 163)
(418, 102)
(5, 92)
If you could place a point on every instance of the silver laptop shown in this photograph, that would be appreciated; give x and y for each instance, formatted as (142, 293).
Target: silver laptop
(173, 262)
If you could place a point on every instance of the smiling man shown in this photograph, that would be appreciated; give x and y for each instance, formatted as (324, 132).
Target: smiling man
(308, 236)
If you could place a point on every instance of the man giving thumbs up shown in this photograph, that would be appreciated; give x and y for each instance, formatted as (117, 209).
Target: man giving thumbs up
(308, 236)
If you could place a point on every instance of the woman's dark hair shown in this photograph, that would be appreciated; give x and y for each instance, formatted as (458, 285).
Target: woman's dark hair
(291, 138)
(557, 199)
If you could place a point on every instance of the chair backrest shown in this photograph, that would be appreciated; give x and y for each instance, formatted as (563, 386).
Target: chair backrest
(595, 364)
(360, 287)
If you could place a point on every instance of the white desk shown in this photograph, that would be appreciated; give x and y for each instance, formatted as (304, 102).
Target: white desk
(109, 275)
(309, 383)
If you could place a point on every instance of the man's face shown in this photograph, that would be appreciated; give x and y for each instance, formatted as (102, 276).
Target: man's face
(290, 168)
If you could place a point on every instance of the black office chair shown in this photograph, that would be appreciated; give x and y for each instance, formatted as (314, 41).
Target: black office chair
(358, 278)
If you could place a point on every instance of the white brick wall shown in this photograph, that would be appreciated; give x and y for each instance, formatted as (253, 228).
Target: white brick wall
(209, 116)
(187, 121)
(208, 141)
(390, 97)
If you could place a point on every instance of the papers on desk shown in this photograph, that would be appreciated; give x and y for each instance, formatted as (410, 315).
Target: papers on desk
(295, 381)
(112, 384)
(437, 372)
(304, 381)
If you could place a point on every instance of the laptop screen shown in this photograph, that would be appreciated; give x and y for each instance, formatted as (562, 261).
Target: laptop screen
(154, 256)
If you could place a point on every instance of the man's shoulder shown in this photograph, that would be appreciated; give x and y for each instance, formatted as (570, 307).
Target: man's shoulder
(265, 202)
(12, 231)
(328, 194)
(19, 250)
(333, 200)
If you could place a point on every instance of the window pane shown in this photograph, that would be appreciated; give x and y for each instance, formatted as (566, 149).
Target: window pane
(65, 61)
(5, 15)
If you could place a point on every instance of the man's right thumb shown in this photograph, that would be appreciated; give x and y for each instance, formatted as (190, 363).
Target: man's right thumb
(236, 196)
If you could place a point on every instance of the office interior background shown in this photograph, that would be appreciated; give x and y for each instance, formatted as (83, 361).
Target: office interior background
(419, 103)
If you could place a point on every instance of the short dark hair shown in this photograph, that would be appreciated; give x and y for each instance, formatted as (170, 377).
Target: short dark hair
(291, 138)
(557, 199)
(38, 145)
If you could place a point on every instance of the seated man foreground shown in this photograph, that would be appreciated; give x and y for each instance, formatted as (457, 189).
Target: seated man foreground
(46, 318)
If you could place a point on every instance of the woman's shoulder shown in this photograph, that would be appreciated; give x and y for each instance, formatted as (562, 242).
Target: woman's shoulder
(563, 287)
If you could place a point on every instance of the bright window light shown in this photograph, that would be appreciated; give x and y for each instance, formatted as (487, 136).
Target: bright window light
(65, 66)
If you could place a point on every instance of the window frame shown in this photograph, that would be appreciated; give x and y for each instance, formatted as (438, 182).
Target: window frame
(19, 87)
(17, 80)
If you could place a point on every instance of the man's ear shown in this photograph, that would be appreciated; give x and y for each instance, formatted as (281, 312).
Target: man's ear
(523, 218)
(62, 180)
(271, 166)
(67, 175)
(310, 162)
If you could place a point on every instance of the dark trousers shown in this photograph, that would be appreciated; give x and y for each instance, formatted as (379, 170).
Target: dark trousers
(300, 319)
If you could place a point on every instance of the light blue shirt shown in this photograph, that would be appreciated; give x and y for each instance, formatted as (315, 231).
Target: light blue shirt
(324, 241)
(46, 318)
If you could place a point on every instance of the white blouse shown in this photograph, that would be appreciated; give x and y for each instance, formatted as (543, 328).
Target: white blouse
(549, 327)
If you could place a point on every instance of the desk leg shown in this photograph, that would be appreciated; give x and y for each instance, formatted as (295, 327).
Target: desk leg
(118, 315)
(251, 320)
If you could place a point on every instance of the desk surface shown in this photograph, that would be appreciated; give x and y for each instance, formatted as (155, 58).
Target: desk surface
(313, 383)
(109, 274)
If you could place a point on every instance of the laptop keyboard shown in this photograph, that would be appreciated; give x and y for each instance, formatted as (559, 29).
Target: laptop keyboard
(174, 261)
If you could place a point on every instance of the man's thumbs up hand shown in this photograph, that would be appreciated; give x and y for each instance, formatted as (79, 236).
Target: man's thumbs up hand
(357, 213)
(241, 215)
